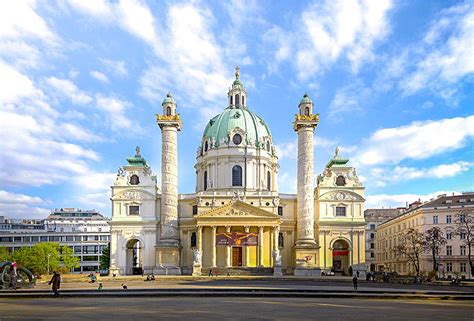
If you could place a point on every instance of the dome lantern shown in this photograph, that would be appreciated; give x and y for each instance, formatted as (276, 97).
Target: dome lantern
(237, 94)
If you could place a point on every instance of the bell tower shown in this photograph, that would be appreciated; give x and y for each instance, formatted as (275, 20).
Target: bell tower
(306, 248)
(169, 247)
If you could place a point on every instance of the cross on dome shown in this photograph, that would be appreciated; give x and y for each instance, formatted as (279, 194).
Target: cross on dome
(237, 72)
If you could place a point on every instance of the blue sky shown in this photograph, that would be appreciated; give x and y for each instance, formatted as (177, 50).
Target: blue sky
(82, 80)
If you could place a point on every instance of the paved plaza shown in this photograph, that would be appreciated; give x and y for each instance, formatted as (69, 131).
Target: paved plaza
(228, 308)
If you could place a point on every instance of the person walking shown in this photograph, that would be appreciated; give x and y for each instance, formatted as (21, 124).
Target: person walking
(354, 280)
(56, 284)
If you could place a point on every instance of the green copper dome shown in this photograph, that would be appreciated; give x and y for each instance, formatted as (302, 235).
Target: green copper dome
(220, 127)
(168, 99)
(305, 99)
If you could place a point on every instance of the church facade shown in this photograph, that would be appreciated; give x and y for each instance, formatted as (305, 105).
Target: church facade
(237, 221)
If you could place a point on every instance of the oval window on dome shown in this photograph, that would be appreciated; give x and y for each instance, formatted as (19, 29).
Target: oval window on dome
(237, 139)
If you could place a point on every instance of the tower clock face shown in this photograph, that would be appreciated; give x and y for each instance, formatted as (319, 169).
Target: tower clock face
(237, 139)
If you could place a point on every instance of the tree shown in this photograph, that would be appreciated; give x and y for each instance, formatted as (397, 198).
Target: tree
(412, 245)
(434, 239)
(68, 259)
(464, 220)
(105, 258)
(39, 258)
(4, 254)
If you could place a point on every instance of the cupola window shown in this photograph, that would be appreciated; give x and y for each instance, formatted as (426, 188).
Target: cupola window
(206, 146)
(306, 111)
(340, 181)
(237, 99)
(268, 146)
(231, 100)
(168, 111)
(243, 100)
(237, 139)
(236, 175)
(134, 180)
(205, 180)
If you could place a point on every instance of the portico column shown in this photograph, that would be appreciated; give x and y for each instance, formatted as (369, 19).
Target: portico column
(214, 249)
(227, 251)
(260, 246)
(246, 250)
(199, 239)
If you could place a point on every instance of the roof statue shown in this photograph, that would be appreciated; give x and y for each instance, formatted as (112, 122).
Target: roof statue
(237, 72)
(137, 151)
(336, 152)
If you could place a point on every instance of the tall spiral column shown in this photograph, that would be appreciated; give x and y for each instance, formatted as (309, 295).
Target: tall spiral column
(168, 249)
(306, 248)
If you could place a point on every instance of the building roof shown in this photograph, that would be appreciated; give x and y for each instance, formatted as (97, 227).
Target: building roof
(306, 99)
(168, 99)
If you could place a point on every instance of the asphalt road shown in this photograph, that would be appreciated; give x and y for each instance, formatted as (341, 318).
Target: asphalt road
(233, 309)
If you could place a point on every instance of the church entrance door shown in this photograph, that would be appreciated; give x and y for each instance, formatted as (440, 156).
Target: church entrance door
(236, 256)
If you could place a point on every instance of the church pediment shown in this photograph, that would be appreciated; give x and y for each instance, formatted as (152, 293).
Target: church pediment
(238, 210)
(134, 195)
(341, 195)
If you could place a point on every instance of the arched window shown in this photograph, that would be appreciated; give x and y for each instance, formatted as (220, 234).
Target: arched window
(243, 101)
(236, 175)
(268, 146)
(269, 180)
(237, 99)
(306, 111)
(193, 239)
(205, 180)
(206, 146)
(134, 180)
(231, 100)
(340, 181)
(168, 111)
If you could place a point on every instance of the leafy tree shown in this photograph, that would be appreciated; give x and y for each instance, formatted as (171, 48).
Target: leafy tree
(68, 259)
(105, 258)
(4, 254)
(434, 240)
(38, 258)
(465, 227)
(412, 245)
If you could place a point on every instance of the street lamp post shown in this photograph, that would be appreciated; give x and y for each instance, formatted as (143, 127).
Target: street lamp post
(48, 261)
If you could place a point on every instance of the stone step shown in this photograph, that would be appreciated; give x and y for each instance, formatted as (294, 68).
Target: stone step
(237, 271)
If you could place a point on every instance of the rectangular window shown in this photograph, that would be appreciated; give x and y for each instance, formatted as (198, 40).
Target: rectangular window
(462, 218)
(449, 235)
(462, 235)
(372, 235)
(103, 237)
(195, 209)
(34, 239)
(90, 258)
(371, 245)
(77, 249)
(449, 267)
(280, 210)
(449, 250)
(26, 239)
(44, 239)
(372, 226)
(281, 240)
(372, 255)
(462, 267)
(448, 219)
(462, 249)
(340, 211)
(77, 238)
(6, 239)
(69, 238)
(134, 210)
(435, 219)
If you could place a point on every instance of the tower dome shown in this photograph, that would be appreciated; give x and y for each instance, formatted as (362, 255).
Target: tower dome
(236, 150)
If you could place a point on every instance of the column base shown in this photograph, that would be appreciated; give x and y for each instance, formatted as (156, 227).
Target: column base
(306, 260)
(196, 270)
(167, 260)
(277, 271)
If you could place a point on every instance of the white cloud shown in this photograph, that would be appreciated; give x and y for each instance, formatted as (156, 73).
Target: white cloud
(14, 85)
(115, 109)
(290, 149)
(348, 99)
(444, 57)
(18, 19)
(20, 53)
(94, 181)
(13, 205)
(117, 67)
(99, 76)
(419, 140)
(399, 200)
(383, 176)
(287, 183)
(66, 88)
(99, 201)
(332, 30)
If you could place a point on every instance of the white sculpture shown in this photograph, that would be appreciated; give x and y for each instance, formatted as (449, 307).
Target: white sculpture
(197, 257)
(276, 257)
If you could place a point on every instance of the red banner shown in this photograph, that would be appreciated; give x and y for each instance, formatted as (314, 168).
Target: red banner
(340, 253)
(236, 239)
